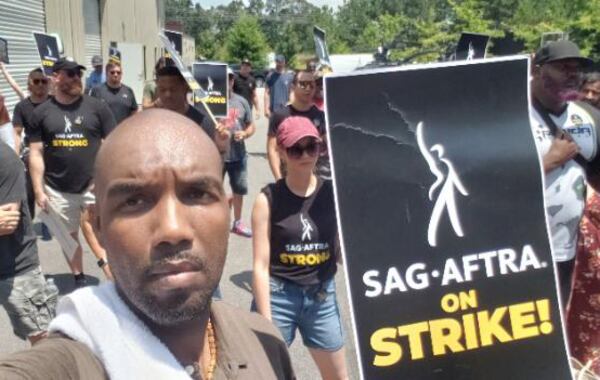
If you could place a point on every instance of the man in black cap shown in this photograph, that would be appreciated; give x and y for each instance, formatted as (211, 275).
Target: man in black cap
(566, 138)
(66, 133)
(245, 85)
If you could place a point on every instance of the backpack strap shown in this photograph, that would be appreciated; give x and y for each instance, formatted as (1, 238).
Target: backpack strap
(554, 129)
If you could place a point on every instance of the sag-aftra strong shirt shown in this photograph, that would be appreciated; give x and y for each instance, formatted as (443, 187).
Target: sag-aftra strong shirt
(71, 135)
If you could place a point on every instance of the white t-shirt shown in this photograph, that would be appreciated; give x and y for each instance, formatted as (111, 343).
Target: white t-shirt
(564, 187)
(6, 134)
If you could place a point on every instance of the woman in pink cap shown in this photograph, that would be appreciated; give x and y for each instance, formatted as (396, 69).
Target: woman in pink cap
(296, 249)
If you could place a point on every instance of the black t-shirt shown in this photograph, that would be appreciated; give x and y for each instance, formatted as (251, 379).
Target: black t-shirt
(18, 251)
(303, 233)
(314, 114)
(199, 115)
(121, 101)
(22, 116)
(72, 135)
(245, 86)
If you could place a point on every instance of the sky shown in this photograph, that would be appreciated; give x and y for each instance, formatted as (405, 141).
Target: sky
(210, 3)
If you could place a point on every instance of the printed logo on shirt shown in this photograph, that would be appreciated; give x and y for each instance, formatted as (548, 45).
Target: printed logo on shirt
(68, 124)
(70, 138)
(307, 228)
(305, 254)
(125, 96)
(231, 121)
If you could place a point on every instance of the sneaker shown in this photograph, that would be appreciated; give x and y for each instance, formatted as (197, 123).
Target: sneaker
(80, 280)
(240, 229)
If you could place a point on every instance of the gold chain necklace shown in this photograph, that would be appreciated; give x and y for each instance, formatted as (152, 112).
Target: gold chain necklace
(194, 369)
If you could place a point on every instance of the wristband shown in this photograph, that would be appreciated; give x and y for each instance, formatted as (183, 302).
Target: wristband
(102, 263)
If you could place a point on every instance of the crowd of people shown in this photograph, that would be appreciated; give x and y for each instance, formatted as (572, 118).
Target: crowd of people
(165, 267)
(157, 218)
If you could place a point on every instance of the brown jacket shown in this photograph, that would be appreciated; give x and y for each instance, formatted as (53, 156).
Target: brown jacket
(248, 347)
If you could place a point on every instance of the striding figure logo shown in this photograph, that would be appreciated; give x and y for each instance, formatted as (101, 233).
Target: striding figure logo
(68, 125)
(307, 228)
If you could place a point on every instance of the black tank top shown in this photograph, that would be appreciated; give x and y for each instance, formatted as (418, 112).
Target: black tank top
(303, 233)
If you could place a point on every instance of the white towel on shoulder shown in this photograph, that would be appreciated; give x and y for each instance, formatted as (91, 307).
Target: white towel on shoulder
(97, 317)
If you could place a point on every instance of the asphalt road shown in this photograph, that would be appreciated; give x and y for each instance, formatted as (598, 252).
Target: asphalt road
(236, 280)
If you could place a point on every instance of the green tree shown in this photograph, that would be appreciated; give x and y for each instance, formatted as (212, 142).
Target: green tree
(246, 40)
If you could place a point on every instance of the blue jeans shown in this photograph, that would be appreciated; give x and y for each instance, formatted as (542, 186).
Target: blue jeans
(238, 174)
(313, 310)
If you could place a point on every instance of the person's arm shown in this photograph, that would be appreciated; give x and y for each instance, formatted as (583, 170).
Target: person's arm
(148, 100)
(36, 169)
(222, 136)
(134, 105)
(10, 216)
(107, 119)
(261, 248)
(267, 102)
(17, 127)
(17, 132)
(563, 149)
(255, 102)
(11, 82)
(273, 157)
(248, 124)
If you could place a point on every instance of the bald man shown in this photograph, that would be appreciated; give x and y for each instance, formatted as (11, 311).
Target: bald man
(163, 218)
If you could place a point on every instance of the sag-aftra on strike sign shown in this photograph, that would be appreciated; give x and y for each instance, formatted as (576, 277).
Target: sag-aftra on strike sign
(441, 212)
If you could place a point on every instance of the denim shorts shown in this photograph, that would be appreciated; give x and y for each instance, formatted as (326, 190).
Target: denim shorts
(238, 174)
(29, 301)
(313, 310)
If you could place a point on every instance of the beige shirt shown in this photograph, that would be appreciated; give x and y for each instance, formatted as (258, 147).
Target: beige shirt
(248, 347)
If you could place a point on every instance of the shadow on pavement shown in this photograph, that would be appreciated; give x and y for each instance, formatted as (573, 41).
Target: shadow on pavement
(258, 154)
(66, 284)
(243, 280)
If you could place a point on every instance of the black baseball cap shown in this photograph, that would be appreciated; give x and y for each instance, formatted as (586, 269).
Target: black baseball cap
(559, 51)
(66, 63)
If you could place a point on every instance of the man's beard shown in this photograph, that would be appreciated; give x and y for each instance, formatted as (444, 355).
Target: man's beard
(182, 306)
(71, 89)
(75, 90)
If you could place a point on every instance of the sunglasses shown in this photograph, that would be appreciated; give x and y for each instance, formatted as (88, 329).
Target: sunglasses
(296, 151)
(73, 73)
(305, 84)
(39, 81)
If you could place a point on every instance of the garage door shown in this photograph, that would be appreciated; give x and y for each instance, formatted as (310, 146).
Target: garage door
(93, 43)
(18, 19)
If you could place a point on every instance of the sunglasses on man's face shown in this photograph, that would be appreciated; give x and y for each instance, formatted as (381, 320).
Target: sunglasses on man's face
(296, 151)
(73, 73)
(306, 84)
(39, 81)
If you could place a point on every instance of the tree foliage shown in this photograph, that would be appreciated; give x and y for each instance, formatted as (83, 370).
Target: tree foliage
(246, 40)
(428, 29)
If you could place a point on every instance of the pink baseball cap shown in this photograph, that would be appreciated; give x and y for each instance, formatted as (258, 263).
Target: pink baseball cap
(295, 128)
